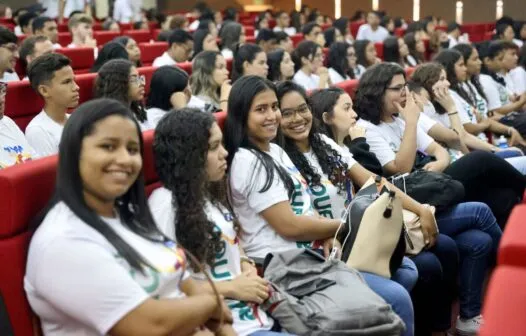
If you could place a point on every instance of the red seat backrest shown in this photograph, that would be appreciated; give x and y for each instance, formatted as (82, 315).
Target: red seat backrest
(126, 26)
(249, 30)
(296, 39)
(140, 36)
(349, 86)
(22, 103)
(82, 59)
(150, 51)
(186, 66)
(512, 248)
(104, 37)
(62, 27)
(148, 73)
(379, 50)
(86, 84)
(156, 33)
(64, 39)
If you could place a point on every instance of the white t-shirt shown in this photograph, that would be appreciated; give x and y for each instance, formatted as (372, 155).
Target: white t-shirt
(52, 8)
(9, 77)
(289, 30)
(95, 50)
(518, 76)
(194, 25)
(326, 199)
(359, 71)
(463, 108)
(126, 11)
(385, 139)
(227, 53)
(480, 102)
(14, 148)
(452, 41)
(247, 177)
(518, 42)
(74, 5)
(164, 59)
(336, 77)
(154, 115)
(43, 134)
(424, 121)
(227, 265)
(365, 32)
(311, 82)
(411, 61)
(495, 92)
(78, 284)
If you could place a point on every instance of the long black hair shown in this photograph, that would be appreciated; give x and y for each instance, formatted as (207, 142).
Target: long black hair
(236, 135)
(199, 37)
(339, 61)
(392, 51)
(132, 206)
(330, 36)
(360, 47)
(410, 40)
(467, 50)
(110, 51)
(305, 49)
(447, 58)
(329, 159)
(113, 81)
(369, 97)
(165, 81)
(245, 53)
(490, 50)
(274, 60)
(180, 150)
(123, 40)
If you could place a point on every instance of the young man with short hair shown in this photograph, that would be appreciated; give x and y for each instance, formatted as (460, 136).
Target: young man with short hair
(25, 22)
(313, 32)
(8, 55)
(180, 47)
(283, 23)
(453, 34)
(51, 76)
(372, 30)
(46, 26)
(266, 40)
(81, 28)
(33, 47)
(284, 42)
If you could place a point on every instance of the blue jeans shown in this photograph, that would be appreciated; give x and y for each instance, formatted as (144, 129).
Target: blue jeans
(436, 287)
(477, 234)
(407, 274)
(515, 159)
(394, 294)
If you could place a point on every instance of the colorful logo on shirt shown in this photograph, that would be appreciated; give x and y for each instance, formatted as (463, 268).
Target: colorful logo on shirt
(17, 154)
(321, 200)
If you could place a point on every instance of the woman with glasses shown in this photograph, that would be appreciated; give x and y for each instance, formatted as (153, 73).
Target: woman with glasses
(342, 61)
(308, 64)
(120, 80)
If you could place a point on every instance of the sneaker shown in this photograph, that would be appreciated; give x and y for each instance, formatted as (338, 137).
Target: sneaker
(468, 327)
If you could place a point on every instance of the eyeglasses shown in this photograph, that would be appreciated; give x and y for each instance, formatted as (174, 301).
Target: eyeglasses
(13, 47)
(351, 55)
(138, 80)
(302, 110)
(398, 88)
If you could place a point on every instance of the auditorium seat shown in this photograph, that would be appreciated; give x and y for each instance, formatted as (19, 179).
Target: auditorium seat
(512, 248)
(82, 59)
(147, 72)
(104, 37)
(296, 39)
(156, 33)
(125, 26)
(186, 66)
(349, 86)
(505, 303)
(86, 83)
(150, 51)
(64, 39)
(379, 50)
(22, 103)
(249, 30)
(140, 36)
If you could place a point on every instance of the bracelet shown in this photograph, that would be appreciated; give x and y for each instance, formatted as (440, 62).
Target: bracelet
(452, 113)
(248, 260)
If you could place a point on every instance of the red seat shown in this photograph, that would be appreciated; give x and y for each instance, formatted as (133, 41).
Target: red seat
(104, 37)
(379, 50)
(249, 30)
(229, 63)
(140, 36)
(296, 39)
(126, 26)
(400, 32)
(64, 39)
(150, 51)
(409, 71)
(22, 103)
(250, 39)
(349, 86)
(155, 33)
(505, 303)
(148, 73)
(86, 85)
(82, 59)
(62, 27)
(186, 66)
(512, 249)
(355, 26)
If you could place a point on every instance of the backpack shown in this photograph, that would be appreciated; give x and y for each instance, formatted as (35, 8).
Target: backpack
(314, 297)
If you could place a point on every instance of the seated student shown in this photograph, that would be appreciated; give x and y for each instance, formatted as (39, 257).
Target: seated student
(509, 63)
(191, 210)
(280, 66)
(52, 77)
(283, 41)
(119, 79)
(111, 25)
(316, 17)
(180, 48)
(46, 26)
(401, 146)
(283, 23)
(332, 35)
(308, 64)
(33, 47)
(395, 143)
(502, 106)
(249, 59)
(388, 23)
(14, 148)
(81, 28)
(8, 55)
(344, 27)
(366, 53)
(396, 51)
(210, 26)
(417, 49)
(312, 32)
(432, 86)
(504, 31)
(169, 89)
(110, 51)
(372, 30)
(209, 82)
(261, 22)
(133, 50)
(178, 21)
(25, 22)
(99, 231)
(232, 34)
(453, 34)
(199, 8)
(342, 60)
(204, 41)
(262, 177)
(518, 75)
(266, 40)
(317, 156)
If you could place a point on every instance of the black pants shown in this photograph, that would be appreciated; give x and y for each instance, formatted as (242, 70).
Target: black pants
(489, 179)
(517, 120)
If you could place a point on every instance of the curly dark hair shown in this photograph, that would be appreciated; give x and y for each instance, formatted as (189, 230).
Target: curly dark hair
(180, 150)
(113, 80)
(329, 159)
(368, 101)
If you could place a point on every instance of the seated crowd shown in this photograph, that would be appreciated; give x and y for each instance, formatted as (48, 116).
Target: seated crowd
(276, 177)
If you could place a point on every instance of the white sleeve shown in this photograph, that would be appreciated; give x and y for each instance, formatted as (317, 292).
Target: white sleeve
(379, 146)
(346, 155)
(462, 107)
(247, 178)
(518, 76)
(162, 210)
(492, 93)
(40, 141)
(422, 140)
(85, 281)
(360, 34)
(425, 122)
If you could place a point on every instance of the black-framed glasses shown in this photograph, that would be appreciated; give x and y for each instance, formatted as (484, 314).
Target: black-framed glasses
(289, 113)
(398, 88)
(138, 80)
